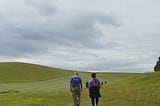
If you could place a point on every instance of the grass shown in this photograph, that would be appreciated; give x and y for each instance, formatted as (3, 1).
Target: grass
(11, 72)
(123, 89)
(136, 91)
(9, 91)
(57, 98)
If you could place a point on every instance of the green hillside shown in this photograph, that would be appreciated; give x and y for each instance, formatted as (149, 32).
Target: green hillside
(143, 90)
(36, 85)
(25, 72)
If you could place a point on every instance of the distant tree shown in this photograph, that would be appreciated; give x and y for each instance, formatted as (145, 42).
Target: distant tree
(157, 66)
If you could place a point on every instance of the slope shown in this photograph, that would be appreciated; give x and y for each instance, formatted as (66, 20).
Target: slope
(11, 72)
(141, 90)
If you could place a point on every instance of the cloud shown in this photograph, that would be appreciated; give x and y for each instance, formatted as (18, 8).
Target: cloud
(99, 35)
(47, 7)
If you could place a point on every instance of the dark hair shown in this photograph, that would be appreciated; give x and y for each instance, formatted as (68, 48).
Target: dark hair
(93, 75)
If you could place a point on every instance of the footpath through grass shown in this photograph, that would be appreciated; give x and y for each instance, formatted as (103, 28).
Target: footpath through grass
(52, 88)
(54, 92)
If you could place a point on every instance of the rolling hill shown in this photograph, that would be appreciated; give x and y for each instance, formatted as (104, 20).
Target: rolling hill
(25, 72)
(24, 84)
(141, 90)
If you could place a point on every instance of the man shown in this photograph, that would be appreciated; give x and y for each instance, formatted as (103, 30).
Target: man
(94, 89)
(76, 88)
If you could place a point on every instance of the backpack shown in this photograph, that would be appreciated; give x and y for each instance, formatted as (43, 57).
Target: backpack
(95, 82)
(94, 88)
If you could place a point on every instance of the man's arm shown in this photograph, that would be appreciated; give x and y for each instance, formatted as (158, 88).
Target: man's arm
(70, 87)
(81, 86)
(71, 84)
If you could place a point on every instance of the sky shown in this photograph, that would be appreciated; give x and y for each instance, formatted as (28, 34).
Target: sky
(86, 35)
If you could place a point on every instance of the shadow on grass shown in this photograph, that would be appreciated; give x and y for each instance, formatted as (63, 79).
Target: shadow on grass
(9, 91)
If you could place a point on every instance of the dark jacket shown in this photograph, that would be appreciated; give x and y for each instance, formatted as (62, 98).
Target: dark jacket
(94, 88)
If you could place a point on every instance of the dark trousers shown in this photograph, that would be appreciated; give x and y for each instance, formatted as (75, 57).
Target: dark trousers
(93, 101)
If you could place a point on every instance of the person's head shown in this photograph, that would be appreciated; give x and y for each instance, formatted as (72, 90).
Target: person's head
(93, 75)
(76, 72)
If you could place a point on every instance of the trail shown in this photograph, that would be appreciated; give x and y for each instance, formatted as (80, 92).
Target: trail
(47, 85)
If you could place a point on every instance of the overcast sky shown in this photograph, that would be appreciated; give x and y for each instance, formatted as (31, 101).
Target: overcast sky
(87, 35)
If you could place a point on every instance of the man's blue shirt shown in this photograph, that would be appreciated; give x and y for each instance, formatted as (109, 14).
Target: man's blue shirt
(76, 81)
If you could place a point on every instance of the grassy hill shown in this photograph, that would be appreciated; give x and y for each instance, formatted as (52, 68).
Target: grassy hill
(140, 90)
(25, 72)
(38, 85)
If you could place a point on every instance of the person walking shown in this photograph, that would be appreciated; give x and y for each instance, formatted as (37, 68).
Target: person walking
(76, 88)
(94, 89)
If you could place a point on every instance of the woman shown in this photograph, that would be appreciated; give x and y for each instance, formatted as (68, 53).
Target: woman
(94, 87)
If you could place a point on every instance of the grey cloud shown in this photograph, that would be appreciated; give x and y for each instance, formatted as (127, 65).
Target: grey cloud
(45, 29)
(46, 7)
(68, 31)
(118, 65)
(16, 48)
(78, 30)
